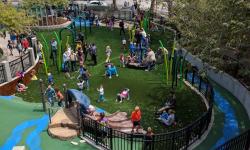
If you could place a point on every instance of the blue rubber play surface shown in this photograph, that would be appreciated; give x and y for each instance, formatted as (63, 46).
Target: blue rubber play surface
(33, 139)
(231, 127)
(7, 98)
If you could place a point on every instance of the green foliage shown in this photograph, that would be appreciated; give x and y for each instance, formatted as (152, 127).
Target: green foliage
(216, 24)
(42, 3)
(13, 19)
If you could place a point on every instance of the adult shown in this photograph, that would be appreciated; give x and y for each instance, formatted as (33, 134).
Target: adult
(73, 59)
(51, 94)
(85, 49)
(40, 49)
(25, 44)
(13, 38)
(53, 50)
(66, 58)
(121, 25)
(168, 118)
(136, 119)
(148, 139)
(19, 48)
(10, 47)
(150, 59)
(94, 54)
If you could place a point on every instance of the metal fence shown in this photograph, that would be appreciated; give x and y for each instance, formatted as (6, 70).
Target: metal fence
(241, 142)
(20, 64)
(109, 138)
(2, 74)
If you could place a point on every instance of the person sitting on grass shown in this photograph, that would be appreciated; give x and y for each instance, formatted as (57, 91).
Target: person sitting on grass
(168, 118)
(101, 94)
(59, 97)
(124, 94)
(136, 119)
(51, 94)
(110, 70)
(171, 103)
(20, 86)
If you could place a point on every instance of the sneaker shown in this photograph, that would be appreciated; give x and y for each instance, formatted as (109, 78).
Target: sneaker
(110, 77)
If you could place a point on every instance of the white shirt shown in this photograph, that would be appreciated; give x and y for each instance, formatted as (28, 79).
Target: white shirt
(101, 91)
(124, 42)
(151, 56)
(80, 85)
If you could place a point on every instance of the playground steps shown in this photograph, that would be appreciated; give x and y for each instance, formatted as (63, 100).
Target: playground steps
(64, 124)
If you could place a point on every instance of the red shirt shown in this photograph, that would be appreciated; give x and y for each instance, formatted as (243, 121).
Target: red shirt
(25, 43)
(59, 95)
(136, 115)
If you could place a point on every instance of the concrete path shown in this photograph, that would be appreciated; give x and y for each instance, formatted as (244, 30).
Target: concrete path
(6, 51)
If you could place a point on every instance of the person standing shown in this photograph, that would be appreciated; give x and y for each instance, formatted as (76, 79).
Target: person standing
(59, 97)
(150, 59)
(108, 54)
(148, 139)
(121, 25)
(136, 119)
(19, 48)
(51, 94)
(94, 54)
(25, 44)
(53, 50)
(73, 59)
(101, 94)
(10, 47)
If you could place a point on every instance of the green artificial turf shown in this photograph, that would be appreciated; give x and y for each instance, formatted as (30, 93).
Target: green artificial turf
(148, 89)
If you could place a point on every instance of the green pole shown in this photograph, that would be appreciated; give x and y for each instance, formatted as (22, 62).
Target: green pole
(171, 59)
(44, 58)
(165, 61)
(59, 54)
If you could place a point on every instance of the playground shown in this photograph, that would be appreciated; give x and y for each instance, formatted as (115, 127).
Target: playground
(117, 84)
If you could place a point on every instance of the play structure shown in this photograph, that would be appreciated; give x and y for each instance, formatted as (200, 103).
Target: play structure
(65, 125)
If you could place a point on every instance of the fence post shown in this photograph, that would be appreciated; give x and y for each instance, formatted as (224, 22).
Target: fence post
(65, 95)
(79, 116)
(131, 140)
(248, 141)
(7, 71)
(96, 137)
(34, 46)
(111, 138)
(200, 83)
(32, 56)
(42, 94)
(193, 76)
(21, 57)
(187, 137)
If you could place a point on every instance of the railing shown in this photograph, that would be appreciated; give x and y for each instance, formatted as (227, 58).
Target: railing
(2, 74)
(241, 142)
(20, 64)
(109, 138)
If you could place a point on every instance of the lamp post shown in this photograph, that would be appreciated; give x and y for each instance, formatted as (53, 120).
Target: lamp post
(42, 94)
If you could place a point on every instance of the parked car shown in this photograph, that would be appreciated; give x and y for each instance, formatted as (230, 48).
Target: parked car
(97, 5)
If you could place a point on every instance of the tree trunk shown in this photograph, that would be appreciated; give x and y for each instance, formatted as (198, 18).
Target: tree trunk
(114, 5)
(170, 5)
(153, 7)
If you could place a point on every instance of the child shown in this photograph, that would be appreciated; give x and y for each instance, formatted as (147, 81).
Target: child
(50, 79)
(33, 74)
(108, 54)
(132, 49)
(111, 70)
(60, 97)
(124, 42)
(10, 47)
(136, 119)
(101, 94)
(20, 86)
(122, 95)
(51, 94)
(122, 60)
(80, 84)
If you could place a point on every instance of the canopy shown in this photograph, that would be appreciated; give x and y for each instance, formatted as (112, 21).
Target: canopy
(79, 97)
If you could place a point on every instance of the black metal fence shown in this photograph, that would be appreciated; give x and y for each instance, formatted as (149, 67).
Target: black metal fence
(241, 142)
(109, 138)
(22, 63)
(2, 74)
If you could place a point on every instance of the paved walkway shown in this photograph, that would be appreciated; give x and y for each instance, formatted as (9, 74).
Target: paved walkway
(6, 51)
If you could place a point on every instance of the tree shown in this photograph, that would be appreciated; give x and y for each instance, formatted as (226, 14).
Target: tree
(114, 5)
(210, 27)
(43, 8)
(13, 19)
